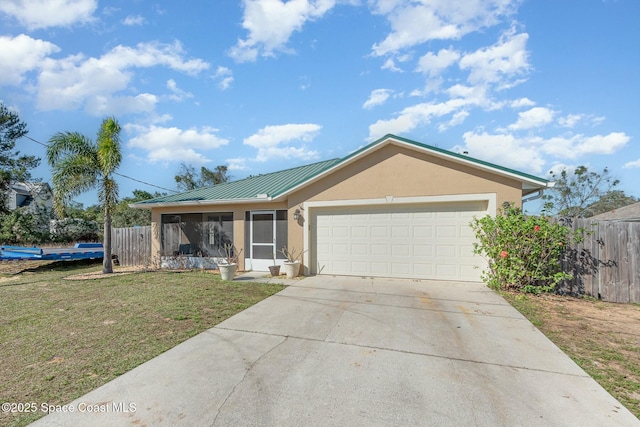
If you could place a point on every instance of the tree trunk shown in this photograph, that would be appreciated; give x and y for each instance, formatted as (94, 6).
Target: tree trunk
(107, 265)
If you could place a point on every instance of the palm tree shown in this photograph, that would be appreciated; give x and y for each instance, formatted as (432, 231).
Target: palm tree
(80, 165)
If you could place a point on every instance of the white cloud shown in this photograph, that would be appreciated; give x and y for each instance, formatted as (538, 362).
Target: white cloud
(177, 93)
(503, 149)
(434, 65)
(414, 116)
(76, 81)
(416, 22)
(457, 119)
(632, 164)
(21, 54)
(377, 97)
(132, 20)
(573, 146)
(521, 102)
(499, 63)
(535, 117)
(473, 95)
(34, 14)
(570, 120)
(171, 144)
(237, 164)
(101, 105)
(390, 65)
(271, 23)
(274, 142)
(530, 153)
(224, 77)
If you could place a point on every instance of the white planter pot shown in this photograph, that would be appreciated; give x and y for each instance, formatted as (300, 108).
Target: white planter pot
(291, 269)
(227, 271)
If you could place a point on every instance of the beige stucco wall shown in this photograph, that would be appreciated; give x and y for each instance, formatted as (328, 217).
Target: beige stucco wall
(390, 171)
(402, 172)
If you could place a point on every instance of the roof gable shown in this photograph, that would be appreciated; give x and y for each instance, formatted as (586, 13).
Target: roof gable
(277, 185)
(626, 213)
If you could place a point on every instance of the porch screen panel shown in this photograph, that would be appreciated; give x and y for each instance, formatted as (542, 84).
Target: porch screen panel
(263, 228)
(281, 232)
(218, 232)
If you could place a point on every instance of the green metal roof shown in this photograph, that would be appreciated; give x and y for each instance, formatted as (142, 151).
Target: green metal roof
(272, 185)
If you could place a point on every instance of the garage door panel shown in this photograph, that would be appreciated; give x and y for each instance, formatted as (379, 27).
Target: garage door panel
(359, 231)
(340, 249)
(360, 267)
(401, 232)
(401, 269)
(340, 231)
(466, 251)
(379, 231)
(380, 269)
(449, 271)
(444, 231)
(427, 241)
(359, 250)
(422, 231)
(379, 250)
(466, 231)
(443, 251)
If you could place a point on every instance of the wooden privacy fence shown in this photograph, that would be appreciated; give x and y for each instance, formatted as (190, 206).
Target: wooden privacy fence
(132, 245)
(606, 264)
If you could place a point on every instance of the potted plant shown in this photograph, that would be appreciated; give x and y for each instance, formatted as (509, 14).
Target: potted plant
(291, 266)
(228, 264)
(275, 268)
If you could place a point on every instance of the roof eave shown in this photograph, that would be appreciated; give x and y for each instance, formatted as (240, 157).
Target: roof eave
(529, 182)
(202, 202)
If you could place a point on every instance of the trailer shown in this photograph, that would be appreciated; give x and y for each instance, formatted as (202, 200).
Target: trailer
(79, 251)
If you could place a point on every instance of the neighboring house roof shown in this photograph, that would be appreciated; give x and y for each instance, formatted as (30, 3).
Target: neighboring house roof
(627, 213)
(22, 194)
(277, 185)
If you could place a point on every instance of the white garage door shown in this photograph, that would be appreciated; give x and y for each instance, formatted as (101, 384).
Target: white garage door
(431, 241)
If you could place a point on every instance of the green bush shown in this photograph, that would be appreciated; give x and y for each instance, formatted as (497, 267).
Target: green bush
(20, 227)
(523, 252)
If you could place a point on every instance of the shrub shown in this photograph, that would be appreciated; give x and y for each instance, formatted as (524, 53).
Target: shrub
(20, 226)
(74, 229)
(523, 252)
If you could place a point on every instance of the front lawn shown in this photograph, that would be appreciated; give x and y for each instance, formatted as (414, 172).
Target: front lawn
(62, 338)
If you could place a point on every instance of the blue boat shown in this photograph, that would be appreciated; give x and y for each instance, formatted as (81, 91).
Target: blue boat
(79, 251)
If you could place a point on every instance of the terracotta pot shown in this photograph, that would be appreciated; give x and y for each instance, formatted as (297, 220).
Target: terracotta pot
(275, 270)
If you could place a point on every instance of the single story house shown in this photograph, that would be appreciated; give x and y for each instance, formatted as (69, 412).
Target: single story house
(629, 213)
(394, 208)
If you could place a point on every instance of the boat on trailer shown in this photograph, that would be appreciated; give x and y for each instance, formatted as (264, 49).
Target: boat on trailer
(78, 251)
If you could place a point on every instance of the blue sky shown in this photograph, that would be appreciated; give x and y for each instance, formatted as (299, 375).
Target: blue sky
(264, 85)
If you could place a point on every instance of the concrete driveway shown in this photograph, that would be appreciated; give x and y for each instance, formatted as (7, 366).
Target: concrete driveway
(338, 351)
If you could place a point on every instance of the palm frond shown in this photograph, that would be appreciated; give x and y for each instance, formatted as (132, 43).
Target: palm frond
(64, 144)
(109, 150)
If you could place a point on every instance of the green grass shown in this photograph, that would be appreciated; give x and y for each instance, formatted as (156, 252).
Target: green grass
(61, 338)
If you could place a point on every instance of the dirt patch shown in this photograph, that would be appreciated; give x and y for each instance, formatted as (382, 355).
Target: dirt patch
(18, 266)
(120, 271)
(587, 316)
(603, 338)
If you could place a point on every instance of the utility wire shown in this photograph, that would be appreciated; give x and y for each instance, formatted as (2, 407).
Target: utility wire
(115, 173)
